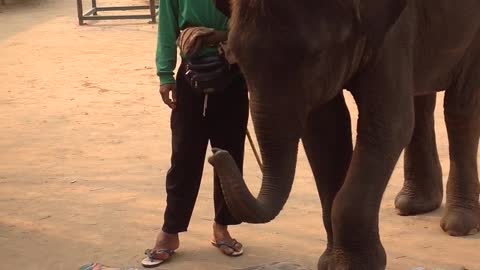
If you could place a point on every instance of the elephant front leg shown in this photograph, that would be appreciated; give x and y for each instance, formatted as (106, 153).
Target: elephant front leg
(328, 144)
(384, 129)
(422, 191)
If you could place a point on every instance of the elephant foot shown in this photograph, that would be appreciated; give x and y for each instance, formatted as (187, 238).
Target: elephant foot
(340, 260)
(460, 221)
(325, 260)
(413, 201)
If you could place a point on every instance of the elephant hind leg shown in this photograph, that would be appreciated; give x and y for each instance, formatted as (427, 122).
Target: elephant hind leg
(328, 145)
(462, 118)
(422, 191)
(462, 112)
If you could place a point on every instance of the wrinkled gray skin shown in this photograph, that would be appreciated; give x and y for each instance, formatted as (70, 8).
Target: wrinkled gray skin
(298, 55)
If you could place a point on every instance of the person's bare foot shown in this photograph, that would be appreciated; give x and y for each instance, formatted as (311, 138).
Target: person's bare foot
(224, 241)
(165, 241)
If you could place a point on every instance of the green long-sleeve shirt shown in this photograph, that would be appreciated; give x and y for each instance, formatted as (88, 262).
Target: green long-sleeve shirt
(176, 15)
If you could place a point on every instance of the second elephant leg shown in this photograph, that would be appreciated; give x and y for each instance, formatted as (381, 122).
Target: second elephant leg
(328, 145)
(462, 215)
(422, 191)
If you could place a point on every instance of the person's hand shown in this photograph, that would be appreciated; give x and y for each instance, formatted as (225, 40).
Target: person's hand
(165, 91)
(190, 39)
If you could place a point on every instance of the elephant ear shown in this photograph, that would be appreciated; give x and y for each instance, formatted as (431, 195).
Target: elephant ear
(376, 17)
(223, 6)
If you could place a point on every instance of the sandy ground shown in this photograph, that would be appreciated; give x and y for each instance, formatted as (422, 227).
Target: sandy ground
(85, 145)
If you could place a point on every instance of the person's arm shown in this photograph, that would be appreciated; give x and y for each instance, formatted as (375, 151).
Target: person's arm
(168, 31)
(216, 38)
(193, 39)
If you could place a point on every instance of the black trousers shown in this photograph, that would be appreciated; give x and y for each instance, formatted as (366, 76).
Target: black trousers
(224, 125)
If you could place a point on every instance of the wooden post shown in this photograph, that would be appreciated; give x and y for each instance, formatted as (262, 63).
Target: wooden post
(80, 12)
(153, 13)
(94, 6)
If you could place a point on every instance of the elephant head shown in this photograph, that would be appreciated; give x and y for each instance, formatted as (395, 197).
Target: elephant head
(295, 54)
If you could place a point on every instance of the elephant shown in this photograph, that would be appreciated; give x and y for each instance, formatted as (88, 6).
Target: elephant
(394, 56)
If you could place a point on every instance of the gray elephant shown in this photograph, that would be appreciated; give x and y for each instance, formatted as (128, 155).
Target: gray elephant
(393, 55)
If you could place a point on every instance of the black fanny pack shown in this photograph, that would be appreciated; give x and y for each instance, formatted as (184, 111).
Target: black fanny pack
(211, 74)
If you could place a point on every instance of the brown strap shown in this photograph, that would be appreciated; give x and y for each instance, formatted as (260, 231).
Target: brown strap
(151, 253)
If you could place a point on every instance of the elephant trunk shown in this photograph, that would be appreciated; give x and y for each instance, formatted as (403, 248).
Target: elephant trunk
(278, 136)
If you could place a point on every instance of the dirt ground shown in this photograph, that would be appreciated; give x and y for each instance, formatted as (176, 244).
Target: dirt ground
(85, 145)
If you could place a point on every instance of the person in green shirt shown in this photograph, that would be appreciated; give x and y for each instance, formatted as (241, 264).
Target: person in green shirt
(195, 120)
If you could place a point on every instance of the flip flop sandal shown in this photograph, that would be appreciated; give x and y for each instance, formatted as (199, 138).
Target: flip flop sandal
(229, 244)
(150, 261)
(98, 266)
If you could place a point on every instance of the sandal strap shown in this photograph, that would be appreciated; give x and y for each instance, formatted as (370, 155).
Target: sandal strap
(231, 244)
(151, 253)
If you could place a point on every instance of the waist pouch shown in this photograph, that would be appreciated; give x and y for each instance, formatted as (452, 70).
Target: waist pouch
(211, 74)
